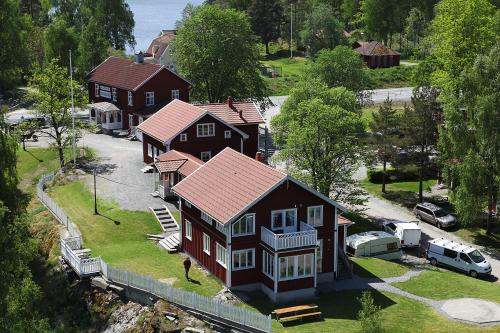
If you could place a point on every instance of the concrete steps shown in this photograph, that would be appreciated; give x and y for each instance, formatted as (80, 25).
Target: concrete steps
(171, 243)
(166, 219)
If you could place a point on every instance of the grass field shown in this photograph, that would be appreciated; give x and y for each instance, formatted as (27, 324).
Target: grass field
(477, 235)
(374, 267)
(119, 237)
(442, 284)
(290, 71)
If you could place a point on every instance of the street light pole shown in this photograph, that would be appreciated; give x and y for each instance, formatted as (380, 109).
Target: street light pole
(72, 108)
(291, 29)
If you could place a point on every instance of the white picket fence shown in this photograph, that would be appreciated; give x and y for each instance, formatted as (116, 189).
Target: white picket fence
(162, 290)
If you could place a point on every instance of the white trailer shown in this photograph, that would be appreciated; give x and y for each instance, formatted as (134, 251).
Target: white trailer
(408, 232)
(377, 244)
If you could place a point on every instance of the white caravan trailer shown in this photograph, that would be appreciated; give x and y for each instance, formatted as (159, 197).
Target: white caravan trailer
(377, 244)
(455, 255)
(408, 232)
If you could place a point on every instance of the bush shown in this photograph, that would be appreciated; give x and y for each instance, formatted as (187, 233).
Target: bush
(403, 173)
(390, 77)
(369, 315)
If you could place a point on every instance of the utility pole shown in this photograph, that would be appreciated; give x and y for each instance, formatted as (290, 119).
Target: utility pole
(72, 108)
(291, 29)
(95, 195)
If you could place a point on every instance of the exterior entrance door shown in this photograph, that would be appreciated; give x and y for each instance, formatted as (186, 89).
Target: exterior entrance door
(290, 221)
(130, 120)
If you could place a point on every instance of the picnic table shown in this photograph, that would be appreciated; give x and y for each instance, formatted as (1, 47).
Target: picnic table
(296, 312)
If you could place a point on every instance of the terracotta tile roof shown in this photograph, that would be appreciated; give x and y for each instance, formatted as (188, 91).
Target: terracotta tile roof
(227, 184)
(159, 44)
(173, 160)
(374, 48)
(250, 113)
(170, 120)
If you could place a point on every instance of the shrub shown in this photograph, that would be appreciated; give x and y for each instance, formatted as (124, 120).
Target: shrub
(369, 315)
(392, 76)
(408, 172)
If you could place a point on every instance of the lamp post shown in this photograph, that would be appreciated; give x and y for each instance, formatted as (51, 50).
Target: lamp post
(72, 109)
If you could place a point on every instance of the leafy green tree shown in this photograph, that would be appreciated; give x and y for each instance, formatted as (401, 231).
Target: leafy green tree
(216, 50)
(59, 39)
(51, 94)
(321, 30)
(92, 48)
(420, 126)
(370, 315)
(265, 19)
(242, 5)
(340, 67)
(416, 26)
(471, 141)
(384, 126)
(319, 131)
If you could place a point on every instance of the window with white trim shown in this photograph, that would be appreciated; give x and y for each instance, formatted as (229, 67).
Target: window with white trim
(150, 98)
(114, 93)
(295, 267)
(150, 150)
(227, 134)
(221, 255)
(183, 137)
(243, 259)
(175, 94)
(244, 226)
(283, 218)
(105, 91)
(203, 130)
(205, 217)
(205, 155)
(187, 203)
(220, 227)
(130, 99)
(189, 230)
(268, 263)
(96, 86)
(315, 215)
(206, 243)
(319, 256)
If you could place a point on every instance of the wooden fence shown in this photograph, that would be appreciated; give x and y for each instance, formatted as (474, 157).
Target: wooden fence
(194, 301)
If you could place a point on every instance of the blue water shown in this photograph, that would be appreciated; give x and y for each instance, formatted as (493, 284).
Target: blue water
(151, 16)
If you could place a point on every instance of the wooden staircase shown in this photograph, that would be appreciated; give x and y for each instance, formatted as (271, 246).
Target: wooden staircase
(344, 266)
(171, 243)
(165, 218)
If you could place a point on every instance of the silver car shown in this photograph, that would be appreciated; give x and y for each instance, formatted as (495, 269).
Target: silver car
(435, 215)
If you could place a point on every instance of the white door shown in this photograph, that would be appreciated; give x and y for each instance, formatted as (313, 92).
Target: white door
(290, 220)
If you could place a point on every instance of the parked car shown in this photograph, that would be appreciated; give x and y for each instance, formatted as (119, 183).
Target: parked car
(407, 232)
(377, 244)
(433, 214)
(444, 252)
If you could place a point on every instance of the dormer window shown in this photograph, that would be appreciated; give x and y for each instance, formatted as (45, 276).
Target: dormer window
(150, 98)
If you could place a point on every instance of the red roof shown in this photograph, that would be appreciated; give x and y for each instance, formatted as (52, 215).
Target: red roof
(159, 44)
(227, 184)
(125, 74)
(173, 118)
(344, 221)
(175, 161)
(250, 113)
(374, 48)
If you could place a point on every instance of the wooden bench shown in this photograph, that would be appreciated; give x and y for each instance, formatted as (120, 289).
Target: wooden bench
(300, 316)
(296, 312)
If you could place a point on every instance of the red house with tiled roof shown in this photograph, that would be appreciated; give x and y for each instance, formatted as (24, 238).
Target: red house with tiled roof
(256, 228)
(202, 130)
(160, 50)
(123, 92)
(376, 55)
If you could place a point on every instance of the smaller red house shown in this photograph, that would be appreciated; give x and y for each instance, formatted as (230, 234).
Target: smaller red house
(124, 92)
(256, 228)
(376, 55)
(202, 131)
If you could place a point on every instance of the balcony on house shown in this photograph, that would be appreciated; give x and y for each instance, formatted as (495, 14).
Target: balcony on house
(305, 237)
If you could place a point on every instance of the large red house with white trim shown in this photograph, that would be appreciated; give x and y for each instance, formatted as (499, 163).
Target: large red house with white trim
(123, 92)
(201, 130)
(256, 228)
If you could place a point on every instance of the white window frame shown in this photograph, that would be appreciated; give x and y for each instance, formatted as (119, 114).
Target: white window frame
(130, 98)
(150, 98)
(175, 94)
(150, 150)
(221, 255)
(227, 134)
(189, 230)
(105, 91)
(183, 137)
(245, 253)
(209, 153)
(206, 243)
(114, 94)
(295, 260)
(268, 264)
(96, 87)
(245, 217)
(320, 215)
(283, 217)
(205, 217)
(187, 204)
(205, 130)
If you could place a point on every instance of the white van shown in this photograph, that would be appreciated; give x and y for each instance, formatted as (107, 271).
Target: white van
(408, 232)
(455, 255)
(376, 244)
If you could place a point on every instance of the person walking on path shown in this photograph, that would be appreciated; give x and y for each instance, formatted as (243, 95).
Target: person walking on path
(187, 266)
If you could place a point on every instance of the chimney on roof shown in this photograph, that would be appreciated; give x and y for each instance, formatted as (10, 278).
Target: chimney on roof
(259, 157)
(139, 57)
(230, 102)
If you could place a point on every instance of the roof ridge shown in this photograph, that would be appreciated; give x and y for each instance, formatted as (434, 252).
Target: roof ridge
(253, 160)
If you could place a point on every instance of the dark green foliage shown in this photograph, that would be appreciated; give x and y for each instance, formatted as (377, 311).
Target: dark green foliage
(265, 19)
(403, 173)
(397, 76)
(59, 39)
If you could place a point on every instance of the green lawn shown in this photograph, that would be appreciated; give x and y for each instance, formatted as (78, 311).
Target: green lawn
(399, 314)
(290, 71)
(477, 235)
(374, 267)
(119, 237)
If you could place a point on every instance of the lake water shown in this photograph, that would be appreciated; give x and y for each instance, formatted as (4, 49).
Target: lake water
(151, 16)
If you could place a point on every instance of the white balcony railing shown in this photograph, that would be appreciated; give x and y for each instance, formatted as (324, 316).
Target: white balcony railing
(306, 237)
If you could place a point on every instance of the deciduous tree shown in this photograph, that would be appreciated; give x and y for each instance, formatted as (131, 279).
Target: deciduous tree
(265, 19)
(59, 39)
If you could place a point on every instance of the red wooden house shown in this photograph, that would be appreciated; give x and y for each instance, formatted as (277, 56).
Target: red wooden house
(376, 55)
(123, 92)
(202, 131)
(256, 228)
